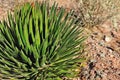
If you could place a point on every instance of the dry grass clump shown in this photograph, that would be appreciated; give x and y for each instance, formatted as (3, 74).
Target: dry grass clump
(95, 12)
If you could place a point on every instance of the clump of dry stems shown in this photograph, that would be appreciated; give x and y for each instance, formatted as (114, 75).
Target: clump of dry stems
(95, 12)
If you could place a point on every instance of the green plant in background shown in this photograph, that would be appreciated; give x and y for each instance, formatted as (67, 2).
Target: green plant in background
(38, 43)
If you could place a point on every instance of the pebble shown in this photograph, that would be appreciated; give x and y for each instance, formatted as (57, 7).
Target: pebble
(107, 38)
(98, 72)
(85, 72)
(110, 51)
(92, 60)
(101, 43)
(102, 55)
(98, 78)
(111, 56)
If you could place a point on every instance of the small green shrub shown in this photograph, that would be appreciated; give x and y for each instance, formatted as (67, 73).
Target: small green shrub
(38, 43)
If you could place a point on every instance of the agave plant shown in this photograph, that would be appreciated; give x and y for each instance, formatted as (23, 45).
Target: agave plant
(39, 42)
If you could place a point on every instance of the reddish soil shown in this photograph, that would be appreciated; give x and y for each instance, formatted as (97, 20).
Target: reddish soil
(103, 46)
(104, 52)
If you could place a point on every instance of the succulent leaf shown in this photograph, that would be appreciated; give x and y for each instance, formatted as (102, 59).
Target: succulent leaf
(40, 43)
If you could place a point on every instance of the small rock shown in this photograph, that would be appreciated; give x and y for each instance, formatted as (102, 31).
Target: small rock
(93, 60)
(98, 72)
(107, 38)
(101, 43)
(102, 55)
(85, 72)
(97, 78)
(110, 50)
(111, 56)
